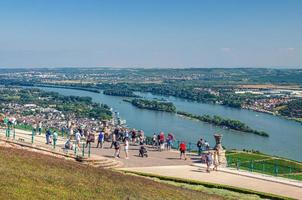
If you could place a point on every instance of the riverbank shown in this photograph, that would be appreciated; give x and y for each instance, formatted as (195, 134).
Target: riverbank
(274, 114)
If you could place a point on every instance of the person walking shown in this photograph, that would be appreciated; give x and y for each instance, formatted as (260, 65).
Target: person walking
(182, 149)
(100, 139)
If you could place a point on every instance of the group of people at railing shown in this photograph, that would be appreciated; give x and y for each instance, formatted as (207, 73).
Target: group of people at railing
(120, 138)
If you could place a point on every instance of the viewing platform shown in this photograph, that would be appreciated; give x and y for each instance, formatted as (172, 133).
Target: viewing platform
(164, 163)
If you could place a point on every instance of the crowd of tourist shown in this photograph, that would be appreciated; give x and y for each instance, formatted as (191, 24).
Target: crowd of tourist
(120, 138)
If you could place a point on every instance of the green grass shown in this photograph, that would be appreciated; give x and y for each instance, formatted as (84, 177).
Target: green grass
(30, 175)
(224, 190)
(265, 164)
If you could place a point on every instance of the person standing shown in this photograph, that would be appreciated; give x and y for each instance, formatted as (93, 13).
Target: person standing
(209, 161)
(161, 140)
(117, 149)
(55, 138)
(199, 146)
(47, 135)
(216, 160)
(170, 139)
(207, 145)
(78, 138)
(90, 139)
(113, 140)
(34, 128)
(182, 149)
(126, 143)
(133, 136)
(40, 127)
(100, 139)
(154, 139)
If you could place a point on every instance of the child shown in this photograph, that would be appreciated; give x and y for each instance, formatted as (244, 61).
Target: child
(143, 151)
(209, 161)
(182, 149)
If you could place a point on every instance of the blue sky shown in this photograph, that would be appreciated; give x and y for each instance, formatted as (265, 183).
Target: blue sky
(151, 33)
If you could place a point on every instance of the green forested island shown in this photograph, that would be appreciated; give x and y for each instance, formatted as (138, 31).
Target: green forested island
(229, 123)
(152, 105)
(120, 92)
(215, 120)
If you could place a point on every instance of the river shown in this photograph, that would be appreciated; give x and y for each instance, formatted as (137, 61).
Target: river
(285, 135)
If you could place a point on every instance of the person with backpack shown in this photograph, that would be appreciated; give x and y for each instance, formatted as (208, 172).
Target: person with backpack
(117, 149)
(100, 139)
(182, 149)
(199, 146)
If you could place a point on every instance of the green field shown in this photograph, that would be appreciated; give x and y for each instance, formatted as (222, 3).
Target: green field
(265, 164)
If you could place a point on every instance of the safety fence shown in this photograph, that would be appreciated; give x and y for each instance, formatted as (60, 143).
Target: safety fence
(254, 162)
(38, 139)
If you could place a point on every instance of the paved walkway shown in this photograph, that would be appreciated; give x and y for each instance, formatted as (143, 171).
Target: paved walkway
(167, 163)
(200, 174)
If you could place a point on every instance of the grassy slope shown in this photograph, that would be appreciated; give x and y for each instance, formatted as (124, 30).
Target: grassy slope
(28, 175)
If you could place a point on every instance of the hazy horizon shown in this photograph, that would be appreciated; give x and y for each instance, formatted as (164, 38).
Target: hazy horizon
(151, 34)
